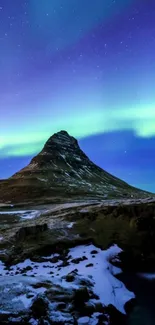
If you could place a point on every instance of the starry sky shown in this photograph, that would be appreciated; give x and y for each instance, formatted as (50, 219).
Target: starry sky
(87, 67)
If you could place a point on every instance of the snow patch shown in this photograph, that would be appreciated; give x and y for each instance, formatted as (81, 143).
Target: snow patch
(67, 174)
(42, 179)
(106, 286)
(33, 321)
(31, 166)
(24, 214)
(70, 225)
(26, 301)
(84, 210)
(63, 156)
(97, 268)
(83, 320)
(147, 276)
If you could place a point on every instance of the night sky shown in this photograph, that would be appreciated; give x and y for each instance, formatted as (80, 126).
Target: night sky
(84, 66)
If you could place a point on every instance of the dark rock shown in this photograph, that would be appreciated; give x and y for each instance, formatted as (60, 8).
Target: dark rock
(58, 294)
(102, 319)
(54, 259)
(28, 268)
(79, 259)
(64, 263)
(80, 297)
(70, 277)
(61, 306)
(130, 305)
(89, 265)
(38, 259)
(75, 271)
(35, 230)
(99, 307)
(39, 308)
(46, 285)
(94, 296)
(86, 283)
(115, 317)
(94, 252)
(88, 309)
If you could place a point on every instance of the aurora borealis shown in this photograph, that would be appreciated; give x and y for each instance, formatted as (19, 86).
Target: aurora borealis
(84, 66)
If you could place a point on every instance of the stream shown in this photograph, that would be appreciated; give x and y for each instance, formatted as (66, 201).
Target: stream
(144, 311)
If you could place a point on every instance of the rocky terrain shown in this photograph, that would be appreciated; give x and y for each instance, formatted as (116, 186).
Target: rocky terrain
(68, 230)
(51, 254)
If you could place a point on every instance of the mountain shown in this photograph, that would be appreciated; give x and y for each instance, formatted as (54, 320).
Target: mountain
(62, 170)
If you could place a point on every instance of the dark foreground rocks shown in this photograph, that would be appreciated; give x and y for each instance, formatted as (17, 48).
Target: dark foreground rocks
(130, 224)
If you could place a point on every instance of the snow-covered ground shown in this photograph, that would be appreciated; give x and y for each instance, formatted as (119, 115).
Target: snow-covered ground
(24, 214)
(95, 267)
(30, 214)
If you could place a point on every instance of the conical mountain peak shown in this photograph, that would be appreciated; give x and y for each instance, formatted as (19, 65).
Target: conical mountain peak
(63, 135)
(62, 169)
(60, 148)
(59, 141)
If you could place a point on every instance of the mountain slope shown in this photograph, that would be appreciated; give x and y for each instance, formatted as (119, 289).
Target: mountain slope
(62, 170)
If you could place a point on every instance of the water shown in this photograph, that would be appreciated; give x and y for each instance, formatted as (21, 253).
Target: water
(144, 311)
